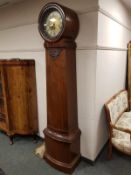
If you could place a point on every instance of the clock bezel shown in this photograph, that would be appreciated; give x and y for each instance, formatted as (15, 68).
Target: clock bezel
(43, 14)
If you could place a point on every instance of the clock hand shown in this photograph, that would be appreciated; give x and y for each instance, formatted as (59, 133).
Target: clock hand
(52, 26)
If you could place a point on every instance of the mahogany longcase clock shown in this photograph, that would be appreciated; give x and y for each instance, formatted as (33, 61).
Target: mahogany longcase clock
(59, 27)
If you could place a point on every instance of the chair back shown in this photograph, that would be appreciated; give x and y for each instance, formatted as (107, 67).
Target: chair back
(116, 106)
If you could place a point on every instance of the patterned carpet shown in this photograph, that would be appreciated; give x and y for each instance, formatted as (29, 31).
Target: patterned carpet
(1, 172)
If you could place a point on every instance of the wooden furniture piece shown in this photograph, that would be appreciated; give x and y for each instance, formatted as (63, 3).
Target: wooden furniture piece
(129, 74)
(119, 122)
(59, 26)
(18, 102)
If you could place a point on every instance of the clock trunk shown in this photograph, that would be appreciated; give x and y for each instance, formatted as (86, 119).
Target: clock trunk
(62, 136)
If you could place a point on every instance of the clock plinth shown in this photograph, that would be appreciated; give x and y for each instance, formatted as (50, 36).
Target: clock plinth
(62, 150)
(59, 26)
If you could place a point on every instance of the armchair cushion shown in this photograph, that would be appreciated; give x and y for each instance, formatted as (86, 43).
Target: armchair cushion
(122, 141)
(124, 122)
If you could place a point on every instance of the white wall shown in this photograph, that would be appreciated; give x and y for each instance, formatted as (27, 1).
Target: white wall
(101, 59)
(116, 9)
(86, 80)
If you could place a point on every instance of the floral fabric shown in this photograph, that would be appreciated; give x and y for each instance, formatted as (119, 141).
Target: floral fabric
(121, 120)
(122, 141)
(124, 121)
(118, 105)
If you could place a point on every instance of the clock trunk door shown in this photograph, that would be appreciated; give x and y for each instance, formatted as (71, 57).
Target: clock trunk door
(57, 93)
(61, 91)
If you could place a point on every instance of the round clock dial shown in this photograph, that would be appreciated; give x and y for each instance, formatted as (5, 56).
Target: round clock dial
(52, 25)
(51, 22)
(57, 22)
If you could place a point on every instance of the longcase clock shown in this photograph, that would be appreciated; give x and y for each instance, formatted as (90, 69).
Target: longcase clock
(59, 26)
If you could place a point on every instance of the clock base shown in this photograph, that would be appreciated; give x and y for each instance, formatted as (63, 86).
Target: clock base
(62, 150)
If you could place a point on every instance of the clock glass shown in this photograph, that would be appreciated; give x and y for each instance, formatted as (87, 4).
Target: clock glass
(52, 24)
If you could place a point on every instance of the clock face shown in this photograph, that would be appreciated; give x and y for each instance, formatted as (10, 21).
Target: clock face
(53, 24)
(57, 22)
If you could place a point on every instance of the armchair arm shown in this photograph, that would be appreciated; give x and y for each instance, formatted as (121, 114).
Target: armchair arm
(120, 129)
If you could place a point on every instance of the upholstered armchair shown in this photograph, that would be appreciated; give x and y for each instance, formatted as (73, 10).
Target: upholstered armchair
(119, 123)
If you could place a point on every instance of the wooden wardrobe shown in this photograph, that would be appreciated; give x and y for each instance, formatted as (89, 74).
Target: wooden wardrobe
(18, 100)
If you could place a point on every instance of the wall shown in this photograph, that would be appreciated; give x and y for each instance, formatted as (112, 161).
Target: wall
(104, 73)
(114, 32)
(101, 59)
